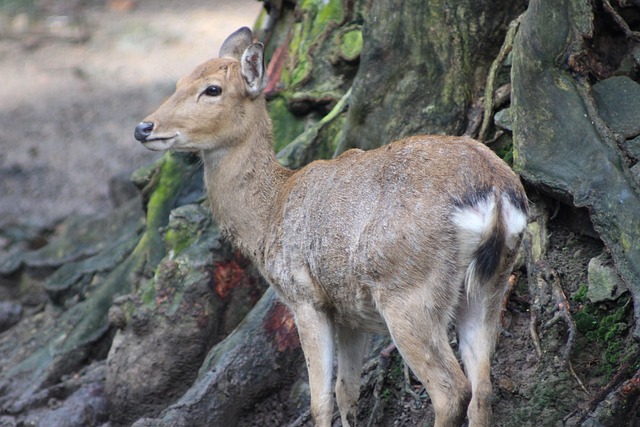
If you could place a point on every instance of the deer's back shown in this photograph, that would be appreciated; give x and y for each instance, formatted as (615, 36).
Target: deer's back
(345, 228)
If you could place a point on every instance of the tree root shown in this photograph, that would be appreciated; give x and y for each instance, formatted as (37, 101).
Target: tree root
(620, 22)
(577, 378)
(534, 333)
(623, 384)
(302, 419)
(562, 312)
(489, 97)
(408, 388)
(381, 369)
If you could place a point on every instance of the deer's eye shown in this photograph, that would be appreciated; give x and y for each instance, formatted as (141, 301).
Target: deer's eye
(213, 90)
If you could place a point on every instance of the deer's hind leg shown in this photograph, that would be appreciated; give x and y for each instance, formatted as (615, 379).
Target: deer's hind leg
(478, 328)
(420, 334)
(351, 348)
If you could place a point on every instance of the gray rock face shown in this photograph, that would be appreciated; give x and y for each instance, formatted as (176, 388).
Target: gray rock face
(200, 292)
(604, 282)
(618, 102)
(563, 140)
(10, 314)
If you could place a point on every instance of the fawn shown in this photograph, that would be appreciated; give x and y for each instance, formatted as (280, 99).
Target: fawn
(405, 239)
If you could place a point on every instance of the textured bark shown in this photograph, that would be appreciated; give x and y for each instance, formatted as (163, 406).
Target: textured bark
(423, 65)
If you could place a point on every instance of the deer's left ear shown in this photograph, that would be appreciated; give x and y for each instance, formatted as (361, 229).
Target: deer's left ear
(236, 43)
(252, 66)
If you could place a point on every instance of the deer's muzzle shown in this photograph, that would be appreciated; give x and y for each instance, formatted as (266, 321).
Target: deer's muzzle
(143, 131)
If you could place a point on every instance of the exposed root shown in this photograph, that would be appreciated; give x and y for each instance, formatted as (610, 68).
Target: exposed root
(386, 352)
(562, 307)
(302, 419)
(535, 338)
(511, 284)
(620, 22)
(408, 388)
(578, 380)
(624, 375)
(378, 388)
(491, 78)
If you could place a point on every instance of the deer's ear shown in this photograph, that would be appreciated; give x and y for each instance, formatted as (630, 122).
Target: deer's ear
(236, 43)
(252, 66)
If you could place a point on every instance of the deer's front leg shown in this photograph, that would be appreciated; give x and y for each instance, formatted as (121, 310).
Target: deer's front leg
(316, 336)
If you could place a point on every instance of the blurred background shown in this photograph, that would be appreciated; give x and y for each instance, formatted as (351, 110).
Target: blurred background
(76, 76)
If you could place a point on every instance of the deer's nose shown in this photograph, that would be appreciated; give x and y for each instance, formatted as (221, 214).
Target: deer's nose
(143, 130)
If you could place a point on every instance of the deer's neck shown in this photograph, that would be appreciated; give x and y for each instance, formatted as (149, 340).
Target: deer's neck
(243, 183)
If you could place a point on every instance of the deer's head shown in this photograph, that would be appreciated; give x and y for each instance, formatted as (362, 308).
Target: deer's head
(212, 106)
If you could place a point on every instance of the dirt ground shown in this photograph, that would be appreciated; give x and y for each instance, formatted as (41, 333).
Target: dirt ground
(77, 76)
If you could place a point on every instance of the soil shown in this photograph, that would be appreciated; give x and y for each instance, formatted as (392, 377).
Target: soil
(77, 76)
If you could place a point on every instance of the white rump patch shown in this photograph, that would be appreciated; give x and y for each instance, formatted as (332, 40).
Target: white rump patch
(515, 222)
(474, 220)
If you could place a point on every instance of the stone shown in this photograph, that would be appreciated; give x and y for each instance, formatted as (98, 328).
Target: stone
(632, 146)
(635, 172)
(10, 314)
(559, 144)
(618, 101)
(604, 282)
(121, 189)
(502, 119)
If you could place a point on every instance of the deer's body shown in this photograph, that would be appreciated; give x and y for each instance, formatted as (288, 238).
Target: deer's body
(404, 239)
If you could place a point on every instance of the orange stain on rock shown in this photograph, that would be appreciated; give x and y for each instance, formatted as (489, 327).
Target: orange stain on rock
(281, 324)
(228, 274)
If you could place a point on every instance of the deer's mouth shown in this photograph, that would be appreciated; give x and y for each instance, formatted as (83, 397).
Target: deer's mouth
(159, 143)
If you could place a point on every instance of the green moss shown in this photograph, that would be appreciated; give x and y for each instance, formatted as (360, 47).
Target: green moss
(185, 228)
(609, 325)
(329, 11)
(625, 242)
(296, 153)
(606, 330)
(161, 201)
(549, 396)
(302, 68)
(351, 44)
(581, 293)
(178, 239)
(150, 249)
(260, 20)
(585, 322)
(332, 135)
(148, 293)
(286, 126)
(506, 154)
(307, 35)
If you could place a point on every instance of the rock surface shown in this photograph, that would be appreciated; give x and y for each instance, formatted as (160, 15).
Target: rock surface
(604, 282)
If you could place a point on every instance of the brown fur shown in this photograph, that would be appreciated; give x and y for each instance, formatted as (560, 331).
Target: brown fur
(404, 239)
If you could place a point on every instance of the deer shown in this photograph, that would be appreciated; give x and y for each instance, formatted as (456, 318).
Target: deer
(409, 239)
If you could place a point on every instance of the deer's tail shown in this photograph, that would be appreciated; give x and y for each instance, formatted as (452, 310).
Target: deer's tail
(488, 231)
